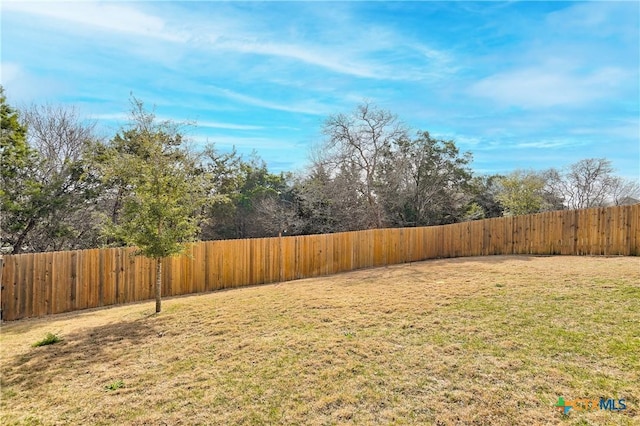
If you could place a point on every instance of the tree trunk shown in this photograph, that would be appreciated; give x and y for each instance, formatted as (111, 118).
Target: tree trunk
(17, 247)
(158, 284)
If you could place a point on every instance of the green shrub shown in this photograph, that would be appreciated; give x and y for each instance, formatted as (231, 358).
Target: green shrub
(49, 339)
(115, 385)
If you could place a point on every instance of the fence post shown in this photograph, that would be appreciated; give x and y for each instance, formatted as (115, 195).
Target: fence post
(281, 272)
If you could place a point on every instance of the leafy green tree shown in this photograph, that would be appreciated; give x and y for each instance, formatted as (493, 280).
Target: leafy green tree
(47, 194)
(17, 171)
(522, 192)
(474, 212)
(484, 190)
(250, 199)
(164, 189)
(13, 140)
(425, 182)
(223, 172)
(322, 203)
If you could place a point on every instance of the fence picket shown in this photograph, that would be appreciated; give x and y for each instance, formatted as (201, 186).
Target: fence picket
(49, 283)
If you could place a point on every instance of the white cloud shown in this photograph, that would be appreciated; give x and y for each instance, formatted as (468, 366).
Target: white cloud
(582, 55)
(112, 17)
(306, 54)
(111, 117)
(23, 87)
(372, 59)
(341, 43)
(542, 87)
(599, 17)
(615, 130)
(548, 144)
(311, 107)
(9, 72)
(209, 124)
(227, 126)
(261, 143)
(365, 53)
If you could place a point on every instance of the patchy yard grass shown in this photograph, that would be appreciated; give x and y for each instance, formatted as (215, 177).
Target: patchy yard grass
(492, 341)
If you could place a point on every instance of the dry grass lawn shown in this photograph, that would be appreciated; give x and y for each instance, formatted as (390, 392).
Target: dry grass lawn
(486, 341)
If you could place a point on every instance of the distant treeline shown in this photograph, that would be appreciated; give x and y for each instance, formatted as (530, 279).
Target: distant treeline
(60, 189)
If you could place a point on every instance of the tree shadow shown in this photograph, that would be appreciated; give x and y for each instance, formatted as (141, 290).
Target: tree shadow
(78, 351)
(490, 258)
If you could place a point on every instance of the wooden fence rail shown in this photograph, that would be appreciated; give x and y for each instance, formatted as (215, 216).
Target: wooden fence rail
(48, 283)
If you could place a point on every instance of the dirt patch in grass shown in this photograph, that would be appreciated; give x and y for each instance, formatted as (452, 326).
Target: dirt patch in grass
(492, 340)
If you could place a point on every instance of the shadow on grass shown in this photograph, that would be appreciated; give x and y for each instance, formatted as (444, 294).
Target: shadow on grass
(79, 351)
(490, 258)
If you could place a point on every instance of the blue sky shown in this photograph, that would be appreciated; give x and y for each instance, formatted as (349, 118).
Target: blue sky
(519, 84)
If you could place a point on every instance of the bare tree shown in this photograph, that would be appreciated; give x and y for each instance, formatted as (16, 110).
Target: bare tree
(278, 216)
(371, 174)
(586, 183)
(355, 146)
(625, 191)
(58, 134)
(62, 197)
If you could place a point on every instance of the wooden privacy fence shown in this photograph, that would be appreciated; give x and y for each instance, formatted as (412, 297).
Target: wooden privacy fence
(48, 283)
